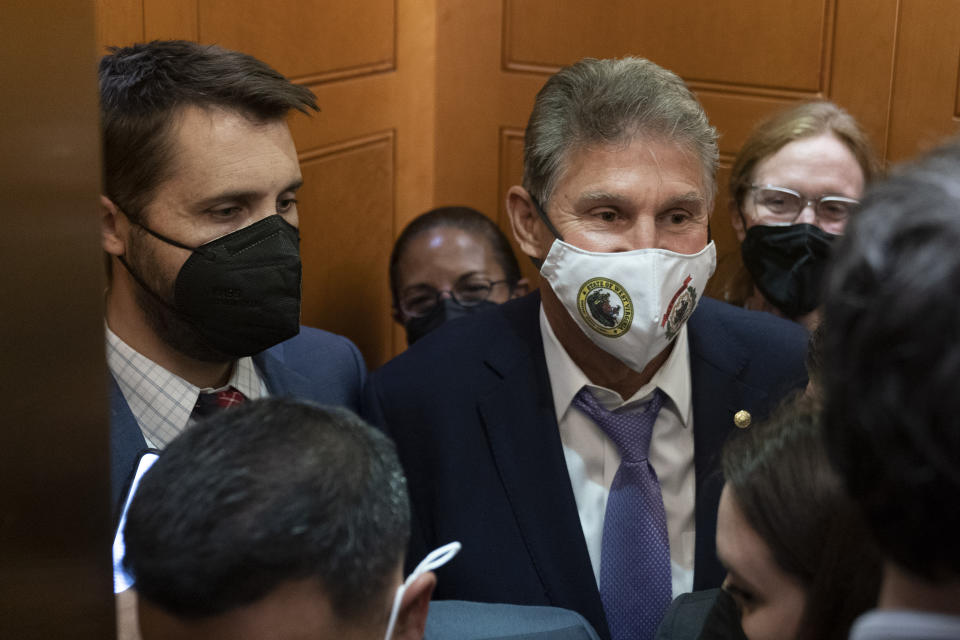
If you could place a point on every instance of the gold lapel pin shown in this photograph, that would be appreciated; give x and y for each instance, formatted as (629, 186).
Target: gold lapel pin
(741, 419)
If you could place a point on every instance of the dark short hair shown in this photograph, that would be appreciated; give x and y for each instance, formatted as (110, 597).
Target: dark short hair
(892, 363)
(783, 484)
(465, 219)
(272, 491)
(144, 87)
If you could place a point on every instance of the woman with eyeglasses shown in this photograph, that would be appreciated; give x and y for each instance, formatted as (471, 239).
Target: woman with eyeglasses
(794, 185)
(450, 262)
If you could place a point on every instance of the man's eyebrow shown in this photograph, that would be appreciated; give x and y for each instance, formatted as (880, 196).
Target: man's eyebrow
(601, 197)
(244, 194)
(607, 197)
(688, 198)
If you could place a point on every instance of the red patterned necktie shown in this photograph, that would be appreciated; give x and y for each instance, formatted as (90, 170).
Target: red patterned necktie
(210, 403)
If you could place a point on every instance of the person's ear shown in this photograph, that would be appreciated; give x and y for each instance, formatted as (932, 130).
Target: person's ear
(112, 226)
(532, 235)
(522, 288)
(736, 219)
(412, 617)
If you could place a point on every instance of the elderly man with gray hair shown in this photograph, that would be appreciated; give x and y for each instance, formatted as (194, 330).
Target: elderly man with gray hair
(569, 437)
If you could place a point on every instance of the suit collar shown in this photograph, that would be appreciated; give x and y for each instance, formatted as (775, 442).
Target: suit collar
(717, 361)
(521, 426)
(280, 379)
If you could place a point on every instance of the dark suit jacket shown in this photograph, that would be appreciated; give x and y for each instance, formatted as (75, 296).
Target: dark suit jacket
(314, 365)
(457, 620)
(471, 411)
(702, 615)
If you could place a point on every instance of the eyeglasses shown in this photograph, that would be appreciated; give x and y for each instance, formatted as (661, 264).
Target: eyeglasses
(779, 205)
(419, 300)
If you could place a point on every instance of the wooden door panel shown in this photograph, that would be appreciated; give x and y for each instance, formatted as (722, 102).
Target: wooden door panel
(119, 22)
(345, 245)
(307, 40)
(863, 52)
(925, 97)
(763, 44)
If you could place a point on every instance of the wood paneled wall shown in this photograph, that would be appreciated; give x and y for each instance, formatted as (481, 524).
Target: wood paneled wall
(424, 102)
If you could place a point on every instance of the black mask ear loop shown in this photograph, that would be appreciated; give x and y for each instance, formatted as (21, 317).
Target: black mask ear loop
(546, 221)
(133, 274)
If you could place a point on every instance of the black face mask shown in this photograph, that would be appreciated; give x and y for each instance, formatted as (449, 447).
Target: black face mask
(240, 293)
(787, 264)
(446, 309)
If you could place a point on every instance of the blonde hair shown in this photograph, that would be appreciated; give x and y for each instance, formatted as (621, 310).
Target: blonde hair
(803, 120)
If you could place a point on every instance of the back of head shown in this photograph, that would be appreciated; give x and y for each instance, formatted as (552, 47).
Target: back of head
(465, 219)
(781, 479)
(804, 120)
(610, 102)
(892, 361)
(145, 86)
(265, 494)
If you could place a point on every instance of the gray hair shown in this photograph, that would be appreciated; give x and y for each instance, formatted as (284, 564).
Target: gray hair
(611, 101)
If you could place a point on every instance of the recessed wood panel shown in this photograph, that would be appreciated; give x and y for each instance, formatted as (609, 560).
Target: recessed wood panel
(734, 116)
(771, 45)
(346, 228)
(863, 64)
(511, 173)
(924, 96)
(307, 40)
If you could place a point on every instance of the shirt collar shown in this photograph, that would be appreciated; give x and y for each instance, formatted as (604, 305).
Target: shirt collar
(160, 401)
(566, 378)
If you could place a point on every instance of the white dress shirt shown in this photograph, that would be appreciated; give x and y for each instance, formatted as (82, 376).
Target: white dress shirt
(162, 402)
(592, 458)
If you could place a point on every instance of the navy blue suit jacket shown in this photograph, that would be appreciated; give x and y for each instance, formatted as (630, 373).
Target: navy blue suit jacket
(314, 365)
(471, 411)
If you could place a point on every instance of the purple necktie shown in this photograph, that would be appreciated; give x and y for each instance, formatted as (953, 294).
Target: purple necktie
(635, 581)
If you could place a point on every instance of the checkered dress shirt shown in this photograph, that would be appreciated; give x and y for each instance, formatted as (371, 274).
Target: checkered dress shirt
(162, 402)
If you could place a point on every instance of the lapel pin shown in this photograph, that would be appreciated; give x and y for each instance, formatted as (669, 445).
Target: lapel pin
(741, 419)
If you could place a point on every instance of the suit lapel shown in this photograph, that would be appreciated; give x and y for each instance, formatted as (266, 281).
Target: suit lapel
(717, 359)
(518, 416)
(280, 379)
(126, 443)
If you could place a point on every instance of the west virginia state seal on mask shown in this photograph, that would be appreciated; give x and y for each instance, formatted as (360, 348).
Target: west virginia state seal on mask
(605, 306)
(681, 306)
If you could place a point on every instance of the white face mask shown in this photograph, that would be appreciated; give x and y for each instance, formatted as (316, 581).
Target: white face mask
(631, 304)
(434, 560)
